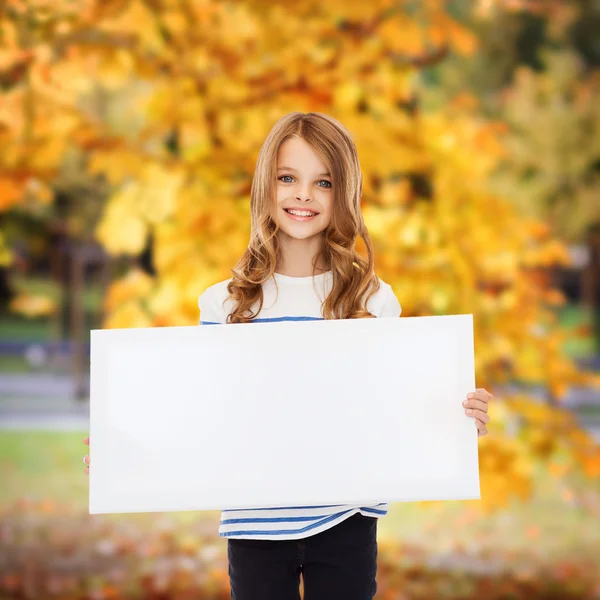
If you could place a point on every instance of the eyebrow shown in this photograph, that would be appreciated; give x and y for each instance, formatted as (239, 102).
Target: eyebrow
(290, 169)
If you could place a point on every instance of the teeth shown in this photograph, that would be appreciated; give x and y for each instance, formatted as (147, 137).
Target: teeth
(301, 213)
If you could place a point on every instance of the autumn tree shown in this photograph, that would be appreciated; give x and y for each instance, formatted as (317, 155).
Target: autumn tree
(537, 71)
(190, 90)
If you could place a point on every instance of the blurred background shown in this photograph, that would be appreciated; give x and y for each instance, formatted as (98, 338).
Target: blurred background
(130, 131)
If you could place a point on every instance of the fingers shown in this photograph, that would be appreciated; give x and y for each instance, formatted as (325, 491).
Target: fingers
(476, 407)
(482, 394)
(481, 428)
(479, 414)
(475, 404)
(86, 458)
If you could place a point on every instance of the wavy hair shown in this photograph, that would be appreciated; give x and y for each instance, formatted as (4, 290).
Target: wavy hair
(353, 277)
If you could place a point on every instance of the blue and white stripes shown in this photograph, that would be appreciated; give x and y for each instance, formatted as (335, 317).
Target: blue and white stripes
(292, 299)
(289, 522)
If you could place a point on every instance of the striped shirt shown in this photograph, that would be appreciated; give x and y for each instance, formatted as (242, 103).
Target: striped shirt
(290, 299)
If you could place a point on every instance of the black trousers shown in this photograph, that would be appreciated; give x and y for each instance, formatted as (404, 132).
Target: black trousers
(340, 562)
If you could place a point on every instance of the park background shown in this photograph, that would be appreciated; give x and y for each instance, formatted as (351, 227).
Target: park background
(130, 131)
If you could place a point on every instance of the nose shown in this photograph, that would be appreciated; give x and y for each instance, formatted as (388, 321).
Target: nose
(302, 192)
(302, 196)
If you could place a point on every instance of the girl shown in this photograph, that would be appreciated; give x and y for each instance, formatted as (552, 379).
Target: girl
(301, 264)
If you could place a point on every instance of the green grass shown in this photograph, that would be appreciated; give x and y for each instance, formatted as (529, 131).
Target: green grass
(48, 465)
(18, 364)
(571, 316)
(91, 294)
(43, 464)
(16, 327)
(13, 327)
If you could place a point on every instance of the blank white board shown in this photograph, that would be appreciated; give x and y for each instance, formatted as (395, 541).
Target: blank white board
(356, 411)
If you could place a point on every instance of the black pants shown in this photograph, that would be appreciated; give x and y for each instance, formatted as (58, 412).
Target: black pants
(340, 562)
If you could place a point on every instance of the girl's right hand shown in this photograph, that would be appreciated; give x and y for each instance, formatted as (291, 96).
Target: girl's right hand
(86, 458)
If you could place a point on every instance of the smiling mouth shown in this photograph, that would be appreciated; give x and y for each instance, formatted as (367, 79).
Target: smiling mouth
(301, 213)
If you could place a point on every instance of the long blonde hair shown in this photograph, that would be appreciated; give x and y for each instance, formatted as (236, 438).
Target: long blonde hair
(354, 280)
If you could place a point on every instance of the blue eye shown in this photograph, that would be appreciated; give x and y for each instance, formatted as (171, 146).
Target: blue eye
(325, 180)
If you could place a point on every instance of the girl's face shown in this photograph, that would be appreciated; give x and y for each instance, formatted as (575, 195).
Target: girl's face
(303, 186)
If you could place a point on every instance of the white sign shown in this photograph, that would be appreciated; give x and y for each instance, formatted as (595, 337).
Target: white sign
(356, 411)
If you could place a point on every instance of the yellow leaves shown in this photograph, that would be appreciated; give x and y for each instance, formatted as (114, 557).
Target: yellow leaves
(122, 229)
(220, 79)
(171, 246)
(195, 139)
(555, 297)
(441, 299)
(446, 31)
(542, 442)
(129, 17)
(116, 164)
(11, 192)
(116, 69)
(461, 39)
(158, 190)
(551, 253)
(178, 102)
(136, 284)
(62, 81)
(175, 21)
(496, 349)
(321, 54)
(412, 230)
(12, 120)
(402, 35)
(591, 463)
(6, 255)
(505, 471)
(33, 305)
(189, 544)
(539, 413)
(500, 266)
(558, 469)
(47, 155)
(9, 50)
(130, 314)
(500, 415)
(136, 206)
(547, 429)
(166, 297)
(252, 126)
(347, 95)
(395, 193)
(379, 220)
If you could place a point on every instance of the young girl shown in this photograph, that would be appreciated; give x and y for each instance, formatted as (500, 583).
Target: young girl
(301, 264)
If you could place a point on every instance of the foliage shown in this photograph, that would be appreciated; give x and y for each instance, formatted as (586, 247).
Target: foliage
(76, 557)
(537, 70)
(169, 103)
(554, 144)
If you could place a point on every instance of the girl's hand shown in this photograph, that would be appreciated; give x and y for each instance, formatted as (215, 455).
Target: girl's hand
(86, 458)
(476, 406)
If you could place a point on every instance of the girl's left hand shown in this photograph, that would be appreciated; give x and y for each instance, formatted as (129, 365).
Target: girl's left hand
(476, 406)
